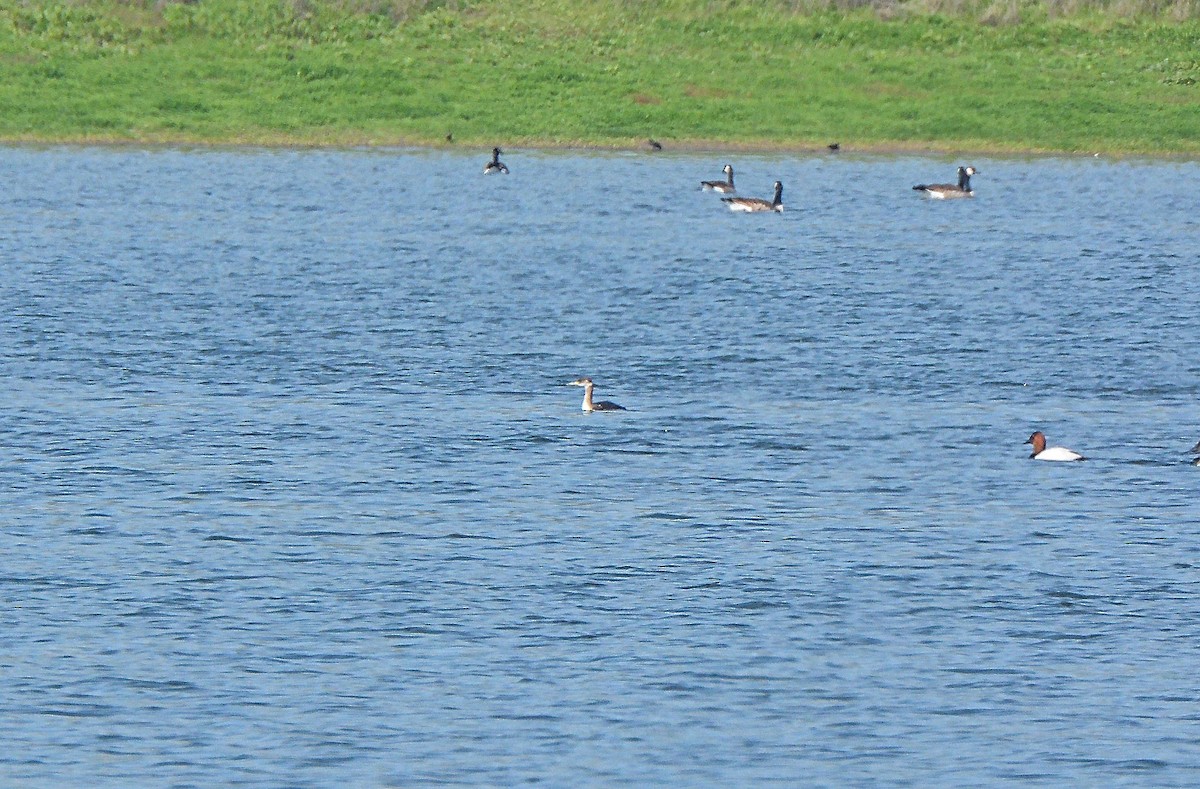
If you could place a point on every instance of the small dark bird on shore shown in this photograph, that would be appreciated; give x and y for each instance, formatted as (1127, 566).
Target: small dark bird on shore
(834, 147)
(450, 137)
(655, 145)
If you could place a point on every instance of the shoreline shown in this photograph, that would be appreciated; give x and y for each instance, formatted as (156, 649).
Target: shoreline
(669, 147)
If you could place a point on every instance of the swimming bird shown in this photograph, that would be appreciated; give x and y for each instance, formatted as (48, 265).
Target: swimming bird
(944, 191)
(495, 165)
(1196, 449)
(1041, 452)
(757, 204)
(724, 187)
(588, 405)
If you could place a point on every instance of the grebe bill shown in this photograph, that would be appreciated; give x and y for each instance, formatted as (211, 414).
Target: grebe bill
(588, 404)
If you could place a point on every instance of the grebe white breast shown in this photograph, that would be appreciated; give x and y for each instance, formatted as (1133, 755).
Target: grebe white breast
(1041, 452)
(495, 165)
(946, 191)
(724, 187)
(588, 404)
(748, 204)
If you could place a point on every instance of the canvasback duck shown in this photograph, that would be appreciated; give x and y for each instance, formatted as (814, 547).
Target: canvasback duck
(1041, 452)
(748, 204)
(724, 187)
(588, 405)
(495, 165)
(946, 191)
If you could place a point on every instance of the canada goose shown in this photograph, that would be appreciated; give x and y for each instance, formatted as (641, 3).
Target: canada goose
(588, 405)
(724, 187)
(495, 165)
(755, 203)
(944, 191)
(1040, 452)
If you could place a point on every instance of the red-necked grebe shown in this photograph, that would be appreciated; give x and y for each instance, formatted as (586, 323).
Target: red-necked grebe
(588, 404)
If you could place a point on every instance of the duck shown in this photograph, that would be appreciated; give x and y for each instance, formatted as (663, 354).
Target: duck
(495, 165)
(588, 405)
(1042, 452)
(749, 204)
(724, 187)
(945, 191)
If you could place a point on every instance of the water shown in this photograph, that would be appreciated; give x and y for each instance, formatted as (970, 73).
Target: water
(292, 492)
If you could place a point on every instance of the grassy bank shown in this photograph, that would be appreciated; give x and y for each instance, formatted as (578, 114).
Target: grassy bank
(1000, 77)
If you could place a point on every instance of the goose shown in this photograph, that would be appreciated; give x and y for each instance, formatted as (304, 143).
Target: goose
(724, 187)
(1041, 452)
(944, 191)
(588, 405)
(495, 165)
(757, 204)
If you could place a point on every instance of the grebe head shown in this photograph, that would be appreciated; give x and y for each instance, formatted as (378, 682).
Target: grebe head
(581, 382)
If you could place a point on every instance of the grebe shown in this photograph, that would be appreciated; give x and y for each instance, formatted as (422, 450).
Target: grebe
(944, 191)
(1040, 452)
(724, 187)
(495, 165)
(756, 204)
(588, 405)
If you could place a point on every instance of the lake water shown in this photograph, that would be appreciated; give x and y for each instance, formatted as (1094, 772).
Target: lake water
(293, 493)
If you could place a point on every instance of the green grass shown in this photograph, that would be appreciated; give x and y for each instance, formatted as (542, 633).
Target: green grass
(997, 77)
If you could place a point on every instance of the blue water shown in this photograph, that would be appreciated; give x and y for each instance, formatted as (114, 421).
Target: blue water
(292, 492)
